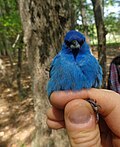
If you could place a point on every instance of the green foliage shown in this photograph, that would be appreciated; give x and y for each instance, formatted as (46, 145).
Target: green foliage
(111, 20)
(89, 19)
(10, 24)
(111, 23)
(109, 2)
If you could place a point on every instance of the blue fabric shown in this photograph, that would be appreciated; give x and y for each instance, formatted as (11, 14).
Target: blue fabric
(74, 73)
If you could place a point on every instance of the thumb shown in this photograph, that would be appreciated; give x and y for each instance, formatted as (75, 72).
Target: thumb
(81, 124)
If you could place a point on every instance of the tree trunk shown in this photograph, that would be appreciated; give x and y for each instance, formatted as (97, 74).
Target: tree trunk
(44, 24)
(19, 66)
(84, 18)
(101, 34)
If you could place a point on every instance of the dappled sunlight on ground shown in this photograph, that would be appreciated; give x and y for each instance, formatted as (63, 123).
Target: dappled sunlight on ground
(16, 121)
(16, 114)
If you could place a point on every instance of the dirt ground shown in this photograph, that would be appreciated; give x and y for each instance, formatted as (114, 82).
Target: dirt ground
(17, 114)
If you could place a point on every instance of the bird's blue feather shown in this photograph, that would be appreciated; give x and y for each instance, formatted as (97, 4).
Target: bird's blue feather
(70, 73)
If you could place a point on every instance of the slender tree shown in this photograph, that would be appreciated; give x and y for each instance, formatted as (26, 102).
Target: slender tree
(44, 24)
(84, 17)
(101, 35)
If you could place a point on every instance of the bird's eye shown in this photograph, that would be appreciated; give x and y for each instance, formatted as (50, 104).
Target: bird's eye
(81, 42)
(67, 43)
(73, 42)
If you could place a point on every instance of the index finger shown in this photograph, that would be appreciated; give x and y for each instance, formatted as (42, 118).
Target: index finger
(108, 100)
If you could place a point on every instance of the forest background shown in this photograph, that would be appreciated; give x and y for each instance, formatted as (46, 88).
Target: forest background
(31, 34)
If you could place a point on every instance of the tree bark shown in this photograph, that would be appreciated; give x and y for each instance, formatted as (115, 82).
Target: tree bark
(19, 66)
(84, 18)
(44, 24)
(101, 35)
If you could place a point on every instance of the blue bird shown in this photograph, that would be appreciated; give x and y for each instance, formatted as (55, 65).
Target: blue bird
(74, 67)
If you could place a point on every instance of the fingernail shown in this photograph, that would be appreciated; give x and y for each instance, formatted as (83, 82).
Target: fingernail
(80, 115)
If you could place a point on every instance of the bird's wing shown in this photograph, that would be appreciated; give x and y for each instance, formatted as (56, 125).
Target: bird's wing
(91, 70)
(55, 60)
(64, 74)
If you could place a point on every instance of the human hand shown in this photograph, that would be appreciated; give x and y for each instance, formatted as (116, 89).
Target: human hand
(71, 111)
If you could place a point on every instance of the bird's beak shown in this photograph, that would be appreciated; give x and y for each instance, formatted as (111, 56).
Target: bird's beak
(75, 45)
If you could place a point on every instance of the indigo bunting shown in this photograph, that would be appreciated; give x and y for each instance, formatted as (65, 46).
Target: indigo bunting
(74, 67)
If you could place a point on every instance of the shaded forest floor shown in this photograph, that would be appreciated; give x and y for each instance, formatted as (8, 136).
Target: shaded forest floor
(17, 114)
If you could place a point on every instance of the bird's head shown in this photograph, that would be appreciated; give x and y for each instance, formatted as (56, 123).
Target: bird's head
(74, 40)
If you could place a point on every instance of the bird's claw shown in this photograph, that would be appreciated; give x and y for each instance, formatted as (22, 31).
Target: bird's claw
(95, 107)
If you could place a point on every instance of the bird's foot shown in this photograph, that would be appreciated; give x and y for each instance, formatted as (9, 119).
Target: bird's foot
(95, 107)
